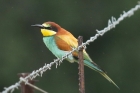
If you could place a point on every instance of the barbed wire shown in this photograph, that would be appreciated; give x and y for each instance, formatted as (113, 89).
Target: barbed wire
(111, 24)
(31, 85)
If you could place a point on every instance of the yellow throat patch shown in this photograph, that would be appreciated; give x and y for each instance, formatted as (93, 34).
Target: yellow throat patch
(46, 32)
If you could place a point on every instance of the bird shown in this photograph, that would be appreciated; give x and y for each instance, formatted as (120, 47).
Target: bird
(60, 42)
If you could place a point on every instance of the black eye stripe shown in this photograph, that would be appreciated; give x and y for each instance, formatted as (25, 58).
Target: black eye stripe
(50, 28)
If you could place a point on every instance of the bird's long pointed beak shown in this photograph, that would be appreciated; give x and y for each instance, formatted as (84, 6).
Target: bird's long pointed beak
(38, 25)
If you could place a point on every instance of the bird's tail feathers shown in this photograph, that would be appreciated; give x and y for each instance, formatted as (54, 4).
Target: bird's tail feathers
(95, 67)
(109, 79)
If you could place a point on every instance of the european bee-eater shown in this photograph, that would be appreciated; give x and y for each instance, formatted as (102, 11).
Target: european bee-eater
(60, 41)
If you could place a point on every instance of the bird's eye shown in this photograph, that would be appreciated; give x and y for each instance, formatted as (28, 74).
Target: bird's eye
(49, 28)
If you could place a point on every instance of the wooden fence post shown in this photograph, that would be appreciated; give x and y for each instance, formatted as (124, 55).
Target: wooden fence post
(81, 67)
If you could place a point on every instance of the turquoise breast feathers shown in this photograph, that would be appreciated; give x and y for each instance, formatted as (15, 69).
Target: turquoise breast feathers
(51, 45)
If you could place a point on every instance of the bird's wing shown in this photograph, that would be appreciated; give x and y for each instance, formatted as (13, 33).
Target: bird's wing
(66, 41)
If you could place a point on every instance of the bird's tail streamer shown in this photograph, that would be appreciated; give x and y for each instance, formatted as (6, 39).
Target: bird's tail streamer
(95, 67)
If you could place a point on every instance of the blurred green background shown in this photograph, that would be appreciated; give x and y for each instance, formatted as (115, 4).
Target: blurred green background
(22, 48)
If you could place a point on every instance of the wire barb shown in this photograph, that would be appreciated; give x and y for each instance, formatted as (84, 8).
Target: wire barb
(111, 24)
(31, 85)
